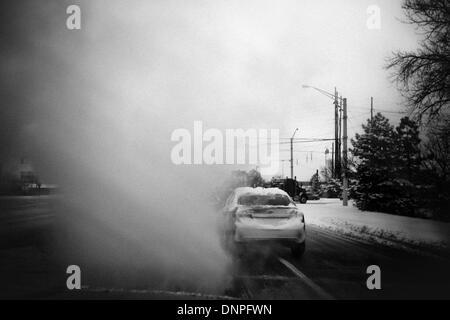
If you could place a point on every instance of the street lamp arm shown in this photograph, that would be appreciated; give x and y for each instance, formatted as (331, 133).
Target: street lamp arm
(325, 93)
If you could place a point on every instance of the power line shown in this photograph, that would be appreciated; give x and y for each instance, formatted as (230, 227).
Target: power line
(310, 151)
(389, 111)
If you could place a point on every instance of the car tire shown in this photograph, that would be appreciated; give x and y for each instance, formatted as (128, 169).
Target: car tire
(303, 199)
(298, 250)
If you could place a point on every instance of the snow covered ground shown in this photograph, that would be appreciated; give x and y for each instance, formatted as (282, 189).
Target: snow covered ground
(374, 226)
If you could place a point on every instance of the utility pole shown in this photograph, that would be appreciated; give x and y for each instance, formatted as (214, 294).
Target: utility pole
(292, 158)
(339, 157)
(337, 172)
(371, 110)
(332, 160)
(292, 154)
(345, 177)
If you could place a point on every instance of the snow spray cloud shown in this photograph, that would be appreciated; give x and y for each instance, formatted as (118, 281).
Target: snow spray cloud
(101, 103)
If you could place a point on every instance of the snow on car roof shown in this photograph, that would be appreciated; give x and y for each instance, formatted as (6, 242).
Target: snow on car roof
(260, 191)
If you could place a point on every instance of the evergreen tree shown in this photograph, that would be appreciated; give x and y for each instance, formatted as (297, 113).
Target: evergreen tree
(408, 151)
(407, 169)
(436, 150)
(389, 166)
(333, 188)
(375, 151)
(315, 183)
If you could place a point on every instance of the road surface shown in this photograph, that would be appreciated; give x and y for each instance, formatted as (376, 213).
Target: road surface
(333, 267)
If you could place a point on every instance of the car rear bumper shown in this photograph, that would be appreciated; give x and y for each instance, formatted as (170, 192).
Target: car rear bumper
(245, 234)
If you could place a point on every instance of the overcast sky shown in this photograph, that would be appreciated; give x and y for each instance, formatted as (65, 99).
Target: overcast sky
(146, 68)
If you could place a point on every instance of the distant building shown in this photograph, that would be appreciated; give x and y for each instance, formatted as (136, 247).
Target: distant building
(20, 178)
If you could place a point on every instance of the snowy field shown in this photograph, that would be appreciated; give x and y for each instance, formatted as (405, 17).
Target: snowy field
(374, 226)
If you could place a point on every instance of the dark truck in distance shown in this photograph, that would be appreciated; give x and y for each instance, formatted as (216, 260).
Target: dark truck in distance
(291, 187)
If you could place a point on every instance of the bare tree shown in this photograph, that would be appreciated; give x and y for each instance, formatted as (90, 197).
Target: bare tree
(424, 75)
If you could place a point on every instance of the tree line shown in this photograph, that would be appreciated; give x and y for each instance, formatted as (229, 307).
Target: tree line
(401, 170)
(406, 170)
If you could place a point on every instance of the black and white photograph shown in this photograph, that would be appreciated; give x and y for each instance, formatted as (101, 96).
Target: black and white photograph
(241, 151)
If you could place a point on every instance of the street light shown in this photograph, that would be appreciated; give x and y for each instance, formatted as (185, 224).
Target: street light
(335, 98)
(325, 93)
(337, 134)
(292, 154)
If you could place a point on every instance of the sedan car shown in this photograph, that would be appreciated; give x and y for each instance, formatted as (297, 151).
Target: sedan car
(256, 215)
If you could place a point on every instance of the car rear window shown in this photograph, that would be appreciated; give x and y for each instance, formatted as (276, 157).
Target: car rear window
(264, 200)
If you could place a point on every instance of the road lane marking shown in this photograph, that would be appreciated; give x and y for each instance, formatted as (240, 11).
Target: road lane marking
(318, 290)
